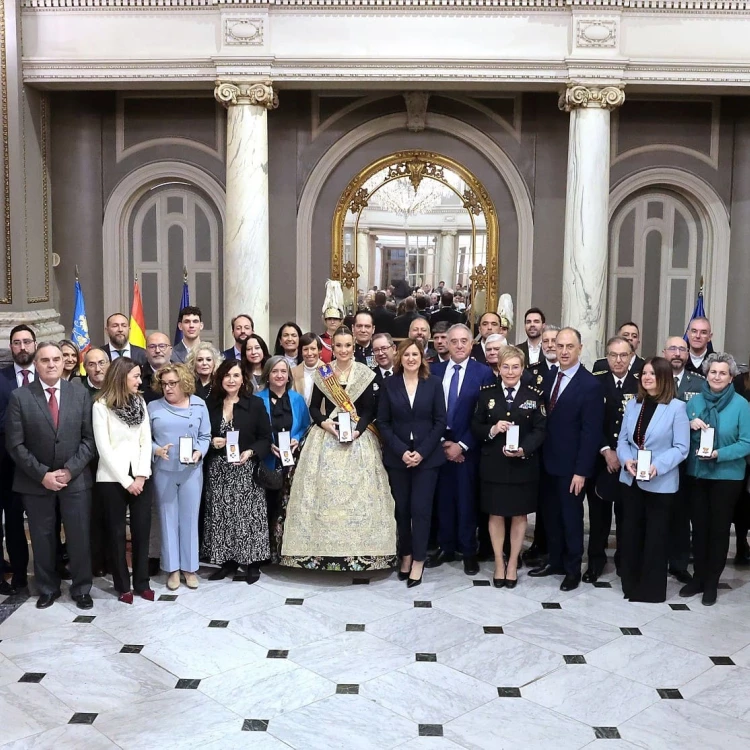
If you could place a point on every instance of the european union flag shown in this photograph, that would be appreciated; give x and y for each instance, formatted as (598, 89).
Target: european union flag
(80, 324)
(184, 302)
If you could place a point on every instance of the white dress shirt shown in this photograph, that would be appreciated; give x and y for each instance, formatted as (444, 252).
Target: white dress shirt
(535, 353)
(116, 353)
(19, 374)
(567, 377)
(383, 372)
(698, 361)
(47, 394)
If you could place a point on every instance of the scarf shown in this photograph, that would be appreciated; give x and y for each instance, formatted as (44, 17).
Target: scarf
(715, 402)
(132, 412)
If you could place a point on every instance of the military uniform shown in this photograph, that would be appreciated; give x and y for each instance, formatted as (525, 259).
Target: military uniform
(539, 371)
(509, 486)
(604, 491)
(602, 365)
(364, 355)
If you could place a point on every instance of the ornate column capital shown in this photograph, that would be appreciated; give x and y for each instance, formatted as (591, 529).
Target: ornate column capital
(259, 94)
(578, 96)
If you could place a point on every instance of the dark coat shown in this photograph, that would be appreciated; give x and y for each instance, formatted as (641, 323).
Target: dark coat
(528, 412)
(137, 353)
(383, 319)
(603, 365)
(398, 420)
(447, 314)
(400, 325)
(250, 418)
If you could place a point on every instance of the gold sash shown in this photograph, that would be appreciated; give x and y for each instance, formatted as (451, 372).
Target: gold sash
(360, 377)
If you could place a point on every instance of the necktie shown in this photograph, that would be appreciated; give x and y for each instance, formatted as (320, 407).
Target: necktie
(387, 374)
(25, 374)
(676, 384)
(509, 397)
(54, 409)
(556, 391)
(619, 386)
(453, 392)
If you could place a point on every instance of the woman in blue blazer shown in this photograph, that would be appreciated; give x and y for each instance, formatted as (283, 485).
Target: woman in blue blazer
(287, 412)
(715, 481)
(654, 421)
(411, 419)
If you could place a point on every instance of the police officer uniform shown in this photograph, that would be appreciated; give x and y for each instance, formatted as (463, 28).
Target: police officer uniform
(604, 491)
(364, 354)
(509, 486)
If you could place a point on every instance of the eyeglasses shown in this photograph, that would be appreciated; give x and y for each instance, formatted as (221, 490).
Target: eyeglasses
(159, 347)
(381, 350)
(614, 356)
(682, 349)
(97, 365)
(169, 383)
(22, 342)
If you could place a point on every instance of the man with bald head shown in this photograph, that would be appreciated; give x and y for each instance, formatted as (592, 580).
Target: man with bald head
(158, 354)
(420, 331)
(95, 363)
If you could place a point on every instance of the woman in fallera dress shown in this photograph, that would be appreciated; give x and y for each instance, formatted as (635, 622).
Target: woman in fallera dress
(341, 513)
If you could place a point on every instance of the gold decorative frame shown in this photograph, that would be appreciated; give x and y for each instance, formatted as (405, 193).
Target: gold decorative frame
(417, 165)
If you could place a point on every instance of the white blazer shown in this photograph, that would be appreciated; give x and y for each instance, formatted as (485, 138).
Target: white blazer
(124, 452)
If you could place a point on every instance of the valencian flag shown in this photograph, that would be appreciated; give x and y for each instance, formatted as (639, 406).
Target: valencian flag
(699, 312)
(184, 302)
(80, 324)
(137, 320)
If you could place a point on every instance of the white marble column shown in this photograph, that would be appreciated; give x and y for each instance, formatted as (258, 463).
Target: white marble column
(246, 246)
(447, 264)
(585, 261)
(363, 258)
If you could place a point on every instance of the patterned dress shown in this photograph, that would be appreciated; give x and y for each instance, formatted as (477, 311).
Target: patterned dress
(236, 522)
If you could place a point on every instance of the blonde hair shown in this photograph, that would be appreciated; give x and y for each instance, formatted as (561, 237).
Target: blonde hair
(204, 346)
(510, 352)
(184, 375)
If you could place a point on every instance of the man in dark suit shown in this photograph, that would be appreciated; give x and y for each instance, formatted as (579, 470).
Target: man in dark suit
(457, 509)
(420, 331)
(533, 323)
(118, 333)
(190, 324)
(21, 373)
(632, 334)
(699, 335)
(440, 341)
(489, 323)
(382, 316)
(50, 438)
(575, 415)
(619, 385)
(400, 325)
(384, 351)
(363, 327)
(242, 327)
(447, 313)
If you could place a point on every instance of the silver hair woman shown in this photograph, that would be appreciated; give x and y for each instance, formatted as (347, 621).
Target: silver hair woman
(204, 360)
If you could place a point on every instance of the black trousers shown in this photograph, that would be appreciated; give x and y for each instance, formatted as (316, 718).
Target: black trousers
(75, 509)
(413, 491)
(600, 524)
(116, 501)
(679, 525)
(11, 507)
(563, 523)
(712, 504)
(645, 543)
(100, 556)
(742, 523)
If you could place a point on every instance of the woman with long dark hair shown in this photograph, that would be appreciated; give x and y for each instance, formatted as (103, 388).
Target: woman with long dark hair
(253, 356)
(288, 343)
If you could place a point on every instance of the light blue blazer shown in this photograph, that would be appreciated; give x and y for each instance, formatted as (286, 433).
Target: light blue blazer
(668, 439)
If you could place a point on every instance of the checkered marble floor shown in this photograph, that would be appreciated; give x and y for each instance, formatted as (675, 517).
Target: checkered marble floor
(328, 661)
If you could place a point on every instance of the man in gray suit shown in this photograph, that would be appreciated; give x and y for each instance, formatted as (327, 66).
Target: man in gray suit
(50, 438)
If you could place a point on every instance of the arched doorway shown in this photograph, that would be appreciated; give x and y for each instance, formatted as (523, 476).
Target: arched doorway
(405, 199)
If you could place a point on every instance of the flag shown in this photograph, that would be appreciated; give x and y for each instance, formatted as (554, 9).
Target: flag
(80, 324)
(137, 320)
(184, 302)
(699, 311)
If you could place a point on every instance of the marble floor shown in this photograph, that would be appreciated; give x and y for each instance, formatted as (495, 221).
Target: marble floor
(328, 661)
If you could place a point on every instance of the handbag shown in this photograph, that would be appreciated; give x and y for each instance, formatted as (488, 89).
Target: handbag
(268, 479)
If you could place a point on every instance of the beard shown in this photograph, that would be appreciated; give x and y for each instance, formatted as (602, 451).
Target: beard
(23, 358)
(550, 357)
(118, 340)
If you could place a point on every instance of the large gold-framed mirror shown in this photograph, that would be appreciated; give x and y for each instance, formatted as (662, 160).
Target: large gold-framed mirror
(421, 216)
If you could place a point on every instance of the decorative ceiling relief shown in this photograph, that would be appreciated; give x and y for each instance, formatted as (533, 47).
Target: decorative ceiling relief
(245, 32)
(600, 33)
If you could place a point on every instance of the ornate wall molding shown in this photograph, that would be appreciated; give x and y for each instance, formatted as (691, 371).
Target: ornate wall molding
(707, 202)
(599, 33)
(578, 96)
(259, 94)
(242, 31)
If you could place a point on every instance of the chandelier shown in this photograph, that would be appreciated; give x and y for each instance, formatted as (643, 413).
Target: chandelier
(400, 197)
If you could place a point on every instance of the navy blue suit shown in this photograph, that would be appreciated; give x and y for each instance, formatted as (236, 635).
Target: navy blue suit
(574, 436)
(230, 353)
(457, 502)
(419, 428)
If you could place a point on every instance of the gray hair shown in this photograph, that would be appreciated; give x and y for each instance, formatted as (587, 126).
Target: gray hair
(383, 335)
(721, 357)
(617, 340)
(495, 337)
(549, 327)
(461, 326)
(45, 344)
(204, 346)
(266, 374)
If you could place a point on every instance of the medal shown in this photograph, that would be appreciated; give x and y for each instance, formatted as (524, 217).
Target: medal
(491, 403)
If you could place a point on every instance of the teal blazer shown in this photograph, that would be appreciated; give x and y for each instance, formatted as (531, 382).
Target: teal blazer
(731, 439)
(300, 419)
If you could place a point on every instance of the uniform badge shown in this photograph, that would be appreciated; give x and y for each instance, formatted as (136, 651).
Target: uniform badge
(542, 410)
(491, 403)
(539, 379)
(627, 397)
(371, 361)
(375, 387)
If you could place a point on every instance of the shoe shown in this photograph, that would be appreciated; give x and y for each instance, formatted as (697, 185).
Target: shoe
(153, 567)
(681, 575)
(147, 594)
(591, 575)
(47, 600)
(412, 582)
(498, 583)
(741, 561)
(403, 575)
(709, 598)
(84, 601)
(7, 589)
(191, 580)
(253, 575)
(222, 573)
(173, 582)
(98, 572)
(546, 570)
(570, 582)
(439, 559)
(692, 588)
(511, 583)
(126, 597)
(471, 566)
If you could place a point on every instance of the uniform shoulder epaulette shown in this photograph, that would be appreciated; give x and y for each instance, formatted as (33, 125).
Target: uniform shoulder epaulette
(636, 375)
(702, 377)
(600, 372)
(487, 387)
(536, 390)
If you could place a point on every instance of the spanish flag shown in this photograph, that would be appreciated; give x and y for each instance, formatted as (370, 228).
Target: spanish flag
(137, 319)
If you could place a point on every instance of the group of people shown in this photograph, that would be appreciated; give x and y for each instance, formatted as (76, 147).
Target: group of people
(390, 440)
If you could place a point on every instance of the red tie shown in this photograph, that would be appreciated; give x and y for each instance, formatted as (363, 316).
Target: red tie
(555, 391)
(54, 409)
(25, 375)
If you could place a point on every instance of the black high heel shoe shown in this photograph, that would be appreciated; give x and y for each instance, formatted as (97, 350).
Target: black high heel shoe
(510, 583)
(403, 575)
(498, 583)
(412, 582)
